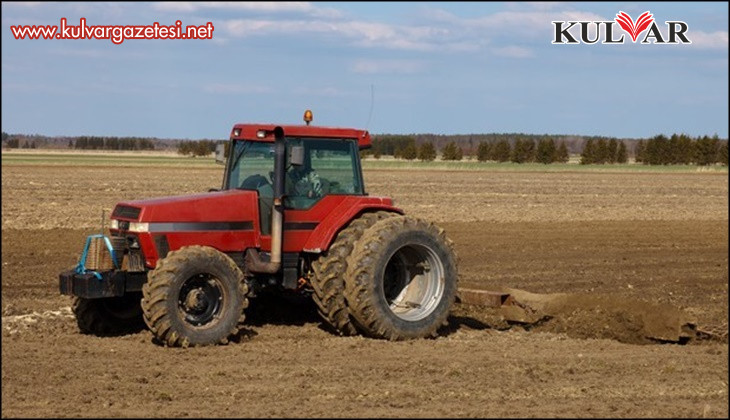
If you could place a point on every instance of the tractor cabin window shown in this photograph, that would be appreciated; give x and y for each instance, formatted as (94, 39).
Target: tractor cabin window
(251, 166)
(330, 167)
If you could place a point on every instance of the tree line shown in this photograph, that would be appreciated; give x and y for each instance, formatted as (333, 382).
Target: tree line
(197, 147)
(511, 147)
(111, 143)
(386, 144)
(546, 150)
(658, 150)
(602, 151)
(30, 141)
(680, 149)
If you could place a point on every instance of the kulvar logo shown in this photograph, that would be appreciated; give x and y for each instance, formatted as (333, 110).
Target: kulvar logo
(591, 32)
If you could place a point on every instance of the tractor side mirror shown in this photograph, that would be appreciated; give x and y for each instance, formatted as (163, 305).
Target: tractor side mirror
(296, 155)
(220, 151)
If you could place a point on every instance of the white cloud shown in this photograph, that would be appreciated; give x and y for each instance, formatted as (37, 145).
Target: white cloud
(387, 66)
(359, 33)
(714, 40)
(531, 23)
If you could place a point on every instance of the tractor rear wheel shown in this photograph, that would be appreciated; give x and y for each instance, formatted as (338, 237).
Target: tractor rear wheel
(108, 316)
(194, 297)
(329, 270)
(401, 279)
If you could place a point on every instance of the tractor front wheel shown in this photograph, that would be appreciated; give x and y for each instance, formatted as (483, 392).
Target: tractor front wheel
(401, 279)
(194, 297)
(108, 316)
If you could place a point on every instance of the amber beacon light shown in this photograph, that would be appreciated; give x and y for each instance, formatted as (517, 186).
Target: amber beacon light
(307, 116)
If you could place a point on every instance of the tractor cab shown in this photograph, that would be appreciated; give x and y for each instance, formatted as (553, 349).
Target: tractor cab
(314, 169)
(319, 162)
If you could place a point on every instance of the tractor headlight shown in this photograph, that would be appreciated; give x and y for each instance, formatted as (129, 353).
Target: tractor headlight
(114, 224)
(139, 227)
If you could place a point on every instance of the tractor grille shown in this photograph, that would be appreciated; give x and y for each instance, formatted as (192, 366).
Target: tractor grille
(134, 261)
(119, 244)
(129, 256)
(126, 212)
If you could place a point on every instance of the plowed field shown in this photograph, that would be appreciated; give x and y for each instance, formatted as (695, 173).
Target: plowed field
(626, 237)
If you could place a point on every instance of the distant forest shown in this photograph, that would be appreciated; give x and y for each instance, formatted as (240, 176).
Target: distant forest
(515, 147)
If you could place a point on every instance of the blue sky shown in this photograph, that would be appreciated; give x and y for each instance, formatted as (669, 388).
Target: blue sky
(415, 67)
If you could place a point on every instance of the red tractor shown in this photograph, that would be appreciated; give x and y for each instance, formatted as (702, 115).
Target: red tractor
(292, 215)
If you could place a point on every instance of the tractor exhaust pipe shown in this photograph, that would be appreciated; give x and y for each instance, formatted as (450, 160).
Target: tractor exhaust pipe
(253, 259)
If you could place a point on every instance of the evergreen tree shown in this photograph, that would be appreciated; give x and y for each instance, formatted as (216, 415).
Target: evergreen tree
(601, 151)
(685, 150)
(562, 154)
(622, 155)
(452, 152)
(706, 150)
(516, 156)
(501, 151)
(427, 153)
(410, 152)
(588, 156)
(183, 148)
(530, 150)
(657, 150)
(483, 151)
(722, 153)
(523, 151)
(673, 149)
(546, 152)
(612, 152)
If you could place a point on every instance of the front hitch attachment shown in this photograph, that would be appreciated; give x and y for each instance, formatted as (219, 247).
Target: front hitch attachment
(99, 258)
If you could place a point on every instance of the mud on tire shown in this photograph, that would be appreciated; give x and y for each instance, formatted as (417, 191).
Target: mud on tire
(194, 297)
(401, 279)
(329, 269)
(109, 316)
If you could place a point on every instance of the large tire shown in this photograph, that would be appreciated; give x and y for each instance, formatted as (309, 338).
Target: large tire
(109, 316)
(401, 279)
(329, 270)
(194, 297)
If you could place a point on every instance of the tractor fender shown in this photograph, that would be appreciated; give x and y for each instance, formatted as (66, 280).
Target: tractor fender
(324, 234)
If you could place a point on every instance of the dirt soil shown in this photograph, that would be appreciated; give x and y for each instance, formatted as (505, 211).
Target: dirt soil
(662, 239)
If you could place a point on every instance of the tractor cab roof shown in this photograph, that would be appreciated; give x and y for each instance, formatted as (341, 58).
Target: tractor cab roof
(265, 133)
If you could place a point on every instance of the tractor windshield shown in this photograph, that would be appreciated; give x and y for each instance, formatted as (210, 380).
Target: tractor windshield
(251, 165)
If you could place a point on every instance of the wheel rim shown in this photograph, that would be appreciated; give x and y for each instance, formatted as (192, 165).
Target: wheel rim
(200, 299)
(413, 283)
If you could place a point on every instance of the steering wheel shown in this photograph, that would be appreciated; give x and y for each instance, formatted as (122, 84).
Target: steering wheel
(254, 182)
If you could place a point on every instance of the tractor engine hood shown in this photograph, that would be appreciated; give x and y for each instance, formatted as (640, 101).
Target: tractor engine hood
(220, 210)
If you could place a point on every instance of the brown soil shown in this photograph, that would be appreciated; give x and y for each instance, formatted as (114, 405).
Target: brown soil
(587, 363)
